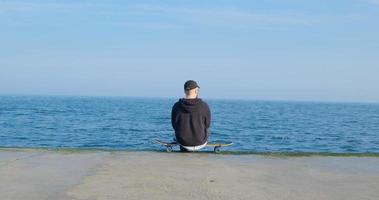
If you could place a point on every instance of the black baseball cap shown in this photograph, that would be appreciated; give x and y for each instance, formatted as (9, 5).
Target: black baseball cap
(190, 84)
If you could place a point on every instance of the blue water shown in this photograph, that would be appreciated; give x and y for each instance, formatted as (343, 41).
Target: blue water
(133, 123)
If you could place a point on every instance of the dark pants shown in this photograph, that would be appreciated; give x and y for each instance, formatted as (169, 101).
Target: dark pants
(182, 149)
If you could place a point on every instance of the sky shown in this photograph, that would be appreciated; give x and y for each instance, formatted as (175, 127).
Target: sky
(303, 50)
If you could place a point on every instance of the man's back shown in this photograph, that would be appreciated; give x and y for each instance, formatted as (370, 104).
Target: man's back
(191, 120)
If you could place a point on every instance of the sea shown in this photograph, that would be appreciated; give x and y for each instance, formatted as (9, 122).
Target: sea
(122, 123)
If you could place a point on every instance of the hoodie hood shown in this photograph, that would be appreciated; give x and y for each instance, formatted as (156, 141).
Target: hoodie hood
(190, 105)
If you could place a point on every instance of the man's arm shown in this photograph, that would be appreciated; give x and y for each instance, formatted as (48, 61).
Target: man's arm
(207, 117)
(173, 116)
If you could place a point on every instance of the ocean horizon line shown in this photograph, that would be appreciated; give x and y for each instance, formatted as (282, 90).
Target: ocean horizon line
(205, 97)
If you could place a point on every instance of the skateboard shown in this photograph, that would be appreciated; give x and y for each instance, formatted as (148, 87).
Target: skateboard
(216, 145)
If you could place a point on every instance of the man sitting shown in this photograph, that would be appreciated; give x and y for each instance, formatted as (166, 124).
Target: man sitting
(191, 119)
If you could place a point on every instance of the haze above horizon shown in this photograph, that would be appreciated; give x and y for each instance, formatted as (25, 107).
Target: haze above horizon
(263, 50)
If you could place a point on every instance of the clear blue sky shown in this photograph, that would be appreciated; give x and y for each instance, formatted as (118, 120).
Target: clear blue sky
(320, 50)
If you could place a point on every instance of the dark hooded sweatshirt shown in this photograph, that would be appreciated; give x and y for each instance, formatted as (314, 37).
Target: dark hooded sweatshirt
(191, 119)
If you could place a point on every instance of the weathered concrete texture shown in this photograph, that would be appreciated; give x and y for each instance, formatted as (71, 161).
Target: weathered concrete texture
(151, 175)
(43, 175)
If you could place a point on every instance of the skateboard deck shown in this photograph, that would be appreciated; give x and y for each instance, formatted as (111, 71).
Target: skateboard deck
(216, 145)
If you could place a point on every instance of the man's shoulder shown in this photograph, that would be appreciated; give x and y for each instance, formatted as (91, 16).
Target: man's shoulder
(205, 104)
(176, 104)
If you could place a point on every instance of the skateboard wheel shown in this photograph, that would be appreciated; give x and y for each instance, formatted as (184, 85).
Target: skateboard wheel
(217, 149)
(168, 148)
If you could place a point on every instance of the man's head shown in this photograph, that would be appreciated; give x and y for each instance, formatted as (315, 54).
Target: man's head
(191, 89)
